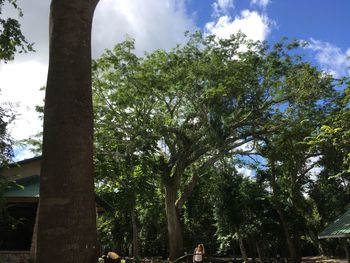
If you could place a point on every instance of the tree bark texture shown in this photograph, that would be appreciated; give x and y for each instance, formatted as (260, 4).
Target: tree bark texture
(174, 225)
(136, 250)
(67, 217)
(243, 250)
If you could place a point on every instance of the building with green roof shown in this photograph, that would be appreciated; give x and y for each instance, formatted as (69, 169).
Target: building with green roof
(18, 235)
(340, 228)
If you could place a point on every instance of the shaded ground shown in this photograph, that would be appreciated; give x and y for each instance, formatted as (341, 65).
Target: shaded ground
(318, 259)
(322, 259)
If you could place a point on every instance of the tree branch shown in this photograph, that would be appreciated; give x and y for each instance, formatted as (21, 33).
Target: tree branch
(192, 183)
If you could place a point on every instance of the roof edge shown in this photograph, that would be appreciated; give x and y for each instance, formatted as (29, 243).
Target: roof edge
(25, 161)
(334, 236)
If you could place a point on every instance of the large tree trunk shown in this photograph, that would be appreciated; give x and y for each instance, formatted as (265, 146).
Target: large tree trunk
(174, 224)
(135, 243)
(291, 247)
(67, 215)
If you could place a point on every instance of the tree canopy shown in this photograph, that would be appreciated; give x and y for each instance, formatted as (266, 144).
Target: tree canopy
(181, 112)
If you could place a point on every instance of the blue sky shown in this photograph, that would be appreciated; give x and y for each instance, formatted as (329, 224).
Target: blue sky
(161, 24)
(302, 19)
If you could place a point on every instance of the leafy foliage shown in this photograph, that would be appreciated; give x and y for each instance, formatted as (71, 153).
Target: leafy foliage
(11, 38)
(6, 142)
(174, 115)
(331, 190)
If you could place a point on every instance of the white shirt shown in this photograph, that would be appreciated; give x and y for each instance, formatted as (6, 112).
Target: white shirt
(198, 255)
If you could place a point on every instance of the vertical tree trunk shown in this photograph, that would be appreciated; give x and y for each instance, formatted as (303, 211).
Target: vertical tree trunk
(135, 243)
(317, 243)
(67, 217)
(173, 222)
(344, 241)
(242, 248)
(291, 248)
(258, 250)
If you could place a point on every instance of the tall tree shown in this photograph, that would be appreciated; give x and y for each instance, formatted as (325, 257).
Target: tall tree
(195, 104)
(331, 141)
(289, 159)
(67, 213)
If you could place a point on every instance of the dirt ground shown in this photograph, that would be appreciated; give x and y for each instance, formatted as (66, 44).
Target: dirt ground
(322, 259)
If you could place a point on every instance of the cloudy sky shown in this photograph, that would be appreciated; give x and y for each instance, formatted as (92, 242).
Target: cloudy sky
(161, 24)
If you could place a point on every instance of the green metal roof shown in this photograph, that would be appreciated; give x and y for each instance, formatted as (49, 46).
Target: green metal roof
(339, 228)
(24, 187)
(30, 187)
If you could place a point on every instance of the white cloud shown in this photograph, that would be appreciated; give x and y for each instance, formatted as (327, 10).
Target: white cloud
(261, 3)
(153, 24)
(34, 25)
(245, 171)
(330, 57)
(222, 7)
(246, 147)
(20, 84)
(254, 25)
(316, 169)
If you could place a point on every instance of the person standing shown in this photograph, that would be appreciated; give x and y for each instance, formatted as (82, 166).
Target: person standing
(198, 253)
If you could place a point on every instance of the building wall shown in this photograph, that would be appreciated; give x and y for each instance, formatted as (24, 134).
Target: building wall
(27, 169)
(15, 173)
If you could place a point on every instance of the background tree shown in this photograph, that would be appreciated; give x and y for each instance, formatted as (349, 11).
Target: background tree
(11, 41)
(330, 190)
(331, 142)
(243, 213)
(6, 142)
(289, 160)
(6, 153)
(67, 213)
(198, 216)
(197, 103)
(127, 183)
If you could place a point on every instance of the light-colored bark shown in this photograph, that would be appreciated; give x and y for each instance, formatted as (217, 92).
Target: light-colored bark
(174, 225)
